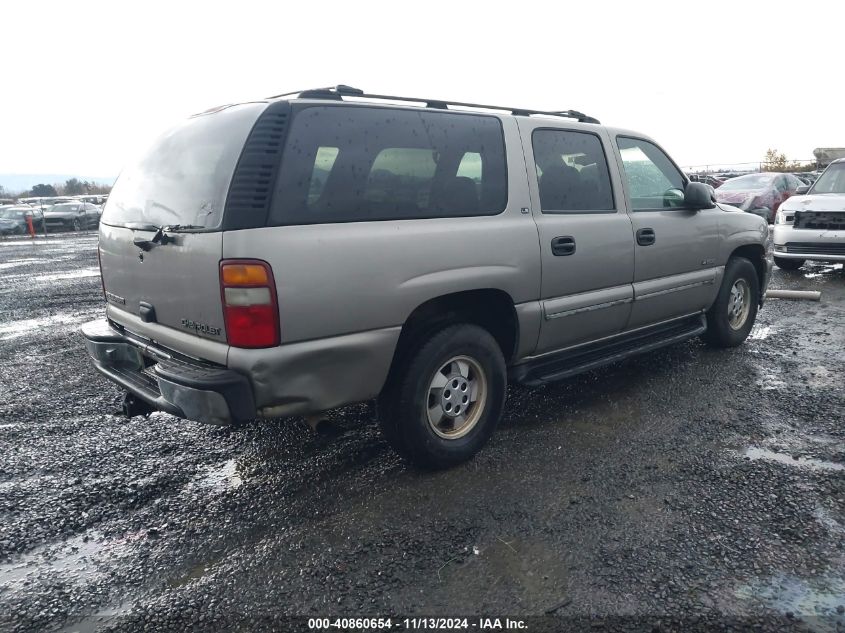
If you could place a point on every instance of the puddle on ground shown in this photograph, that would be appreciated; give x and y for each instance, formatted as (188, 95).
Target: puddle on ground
(770, 379)
(74, 557)
(821, 376)
(221, 477)
(814, 600)
(824, 270)
(761, 332)
(823, 516)
(802, 462)
(24, 326)
(73, 274)
(789, 440)
(96, 621)
(29, 261)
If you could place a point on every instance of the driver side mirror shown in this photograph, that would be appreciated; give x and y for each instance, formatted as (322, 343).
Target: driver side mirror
(697, 195)
(802, 189)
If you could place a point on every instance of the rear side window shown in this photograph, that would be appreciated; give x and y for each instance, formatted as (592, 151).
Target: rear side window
(356, 164)
(572, 172)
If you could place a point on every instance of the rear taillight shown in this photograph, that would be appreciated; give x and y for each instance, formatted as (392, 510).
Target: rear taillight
(250, 309)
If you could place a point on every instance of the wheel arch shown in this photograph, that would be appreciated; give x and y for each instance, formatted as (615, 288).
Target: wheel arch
(490, 308)
(756, 254)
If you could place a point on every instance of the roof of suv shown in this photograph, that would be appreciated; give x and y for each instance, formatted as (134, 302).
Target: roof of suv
(337, 93)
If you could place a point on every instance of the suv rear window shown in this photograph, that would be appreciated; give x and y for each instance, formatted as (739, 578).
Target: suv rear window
(572, 172)
(184, 176)
(355, 164)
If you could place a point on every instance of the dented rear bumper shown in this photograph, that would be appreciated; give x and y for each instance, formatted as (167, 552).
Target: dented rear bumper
(166, 380)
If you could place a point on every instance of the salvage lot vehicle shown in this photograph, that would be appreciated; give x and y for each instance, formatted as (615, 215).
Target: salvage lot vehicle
(760, 194)
(812, 225)
(293, 255)
(72, 215)
(13, 219)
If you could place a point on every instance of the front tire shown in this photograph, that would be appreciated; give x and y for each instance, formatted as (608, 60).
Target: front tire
(444, 403)
(788, 264)
(732, 315)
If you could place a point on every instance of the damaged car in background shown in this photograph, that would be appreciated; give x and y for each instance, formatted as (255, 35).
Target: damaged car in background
(760, 194)
(13, 219)
(811, 225)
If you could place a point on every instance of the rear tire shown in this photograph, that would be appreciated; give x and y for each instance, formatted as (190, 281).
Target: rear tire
(788, 264)
(732, 315)
(445, 401)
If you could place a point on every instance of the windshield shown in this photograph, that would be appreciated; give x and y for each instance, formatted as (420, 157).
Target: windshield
(183, 177)
(748, 183)
(64, 208)
(832, 180)
(11, 213)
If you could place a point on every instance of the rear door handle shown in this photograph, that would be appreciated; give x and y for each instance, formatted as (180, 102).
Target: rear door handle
(646, 237)
(563, 245)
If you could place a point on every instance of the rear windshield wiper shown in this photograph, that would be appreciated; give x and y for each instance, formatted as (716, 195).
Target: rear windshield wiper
(160, 236)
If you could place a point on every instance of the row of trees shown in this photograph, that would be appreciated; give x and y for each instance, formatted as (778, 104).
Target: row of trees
(776, 161)
(72, 187)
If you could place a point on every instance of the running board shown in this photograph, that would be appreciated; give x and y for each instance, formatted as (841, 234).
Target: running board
(574, 361)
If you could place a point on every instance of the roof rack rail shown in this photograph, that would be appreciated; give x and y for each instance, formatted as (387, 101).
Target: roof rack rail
(336, 93)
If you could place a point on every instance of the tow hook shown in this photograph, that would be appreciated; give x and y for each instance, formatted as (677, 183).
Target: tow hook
(133, 406)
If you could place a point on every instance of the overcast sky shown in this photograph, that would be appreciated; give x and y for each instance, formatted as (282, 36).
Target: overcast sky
(85, 83)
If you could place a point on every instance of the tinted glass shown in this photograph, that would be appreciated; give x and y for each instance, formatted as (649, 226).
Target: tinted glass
(832, 180)
(653, 180)
(572, 172)
(184, 176)
(323, 164)
(353, 164)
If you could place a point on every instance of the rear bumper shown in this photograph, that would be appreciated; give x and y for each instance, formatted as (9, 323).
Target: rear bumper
(168, 382)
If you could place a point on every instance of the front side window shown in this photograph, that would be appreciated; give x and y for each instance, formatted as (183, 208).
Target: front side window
(356, 164)
(653, 180)
(832, 180)
(572, 172)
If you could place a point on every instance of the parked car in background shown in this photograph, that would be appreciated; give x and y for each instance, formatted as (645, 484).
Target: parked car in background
(707, 179)
(811, 225)
(332, 252)
(13, 219)
(806, 177)
(760, 194)
(72, 215)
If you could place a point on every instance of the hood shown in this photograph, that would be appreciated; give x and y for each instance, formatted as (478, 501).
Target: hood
(816, 202)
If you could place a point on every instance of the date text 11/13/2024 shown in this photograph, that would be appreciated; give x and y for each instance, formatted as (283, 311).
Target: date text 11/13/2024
(412, 624)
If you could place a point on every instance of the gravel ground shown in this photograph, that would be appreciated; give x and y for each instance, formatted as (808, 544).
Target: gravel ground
(684, 489)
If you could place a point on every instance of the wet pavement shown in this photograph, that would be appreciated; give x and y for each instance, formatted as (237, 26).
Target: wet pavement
(688, 488)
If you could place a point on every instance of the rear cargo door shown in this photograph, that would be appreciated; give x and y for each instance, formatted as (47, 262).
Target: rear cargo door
(175, 285)
(165, 285)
